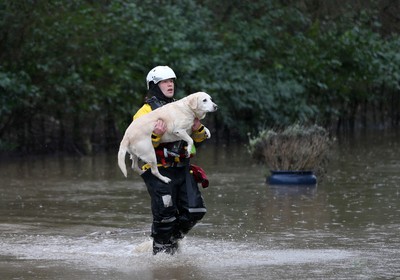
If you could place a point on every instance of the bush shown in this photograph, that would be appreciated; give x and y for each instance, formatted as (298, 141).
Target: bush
(294, 148)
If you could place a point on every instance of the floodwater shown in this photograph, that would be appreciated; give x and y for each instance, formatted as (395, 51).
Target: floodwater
(79, 218)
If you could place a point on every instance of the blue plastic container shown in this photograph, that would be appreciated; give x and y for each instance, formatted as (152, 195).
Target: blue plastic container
(292, 178)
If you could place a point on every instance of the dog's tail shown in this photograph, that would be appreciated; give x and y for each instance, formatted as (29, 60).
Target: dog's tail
(121, 159)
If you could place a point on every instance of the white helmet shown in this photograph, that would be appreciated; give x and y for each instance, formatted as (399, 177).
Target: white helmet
(159, 73)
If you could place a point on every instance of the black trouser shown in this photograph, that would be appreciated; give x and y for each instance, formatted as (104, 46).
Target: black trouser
(176, 206)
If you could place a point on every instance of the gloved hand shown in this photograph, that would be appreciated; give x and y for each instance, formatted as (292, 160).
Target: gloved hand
(199, 175)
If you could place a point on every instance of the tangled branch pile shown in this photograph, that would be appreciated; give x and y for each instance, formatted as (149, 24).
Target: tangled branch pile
(295, 148)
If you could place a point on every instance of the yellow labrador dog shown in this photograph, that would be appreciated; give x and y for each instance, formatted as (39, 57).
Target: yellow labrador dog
(178, 117)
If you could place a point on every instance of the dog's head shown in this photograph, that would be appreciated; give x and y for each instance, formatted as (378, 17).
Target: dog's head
(201, 103)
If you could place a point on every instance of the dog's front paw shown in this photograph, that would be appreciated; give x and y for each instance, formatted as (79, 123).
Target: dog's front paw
(188, 151)
(208, 133)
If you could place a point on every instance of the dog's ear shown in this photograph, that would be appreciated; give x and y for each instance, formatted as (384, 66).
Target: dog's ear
(193, 102)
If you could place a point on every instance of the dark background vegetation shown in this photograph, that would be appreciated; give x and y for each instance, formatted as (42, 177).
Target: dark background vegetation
(72, 73)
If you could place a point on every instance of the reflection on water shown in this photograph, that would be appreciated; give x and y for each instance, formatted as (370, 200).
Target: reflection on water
(79, 218)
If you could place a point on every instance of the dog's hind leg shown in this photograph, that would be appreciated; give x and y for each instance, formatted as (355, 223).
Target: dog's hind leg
(135, 164)
(156, 172)
(152, 161)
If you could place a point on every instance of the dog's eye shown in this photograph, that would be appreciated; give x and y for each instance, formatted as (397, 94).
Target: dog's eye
(205, 100)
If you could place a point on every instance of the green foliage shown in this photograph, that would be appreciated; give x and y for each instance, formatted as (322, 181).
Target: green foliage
(73, 72)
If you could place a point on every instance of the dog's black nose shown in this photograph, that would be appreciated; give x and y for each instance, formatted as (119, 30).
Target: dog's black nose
(215, 107)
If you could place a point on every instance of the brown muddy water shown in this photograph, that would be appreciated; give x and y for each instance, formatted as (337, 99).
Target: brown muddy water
(79, 218)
